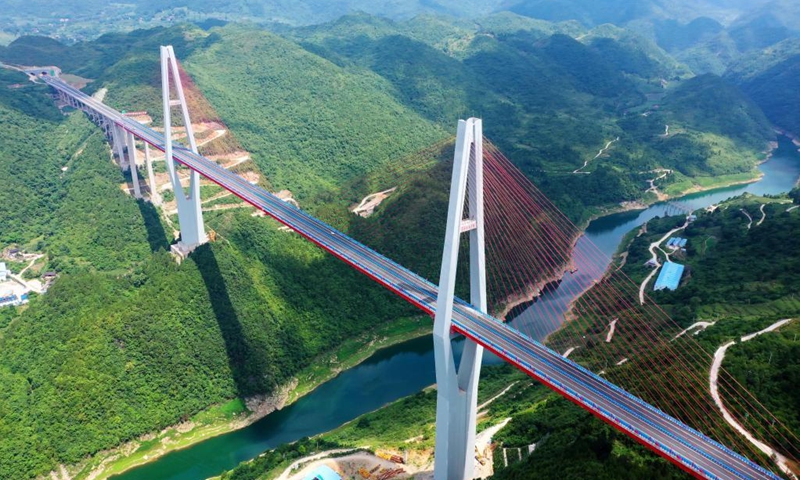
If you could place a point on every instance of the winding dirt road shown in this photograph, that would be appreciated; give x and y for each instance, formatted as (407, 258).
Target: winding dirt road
(653, 246)
(763, 215)
(601, 152)
(748, 217)
(719, 356)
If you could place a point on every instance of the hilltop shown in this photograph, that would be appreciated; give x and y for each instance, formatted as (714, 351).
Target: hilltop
(769, 77)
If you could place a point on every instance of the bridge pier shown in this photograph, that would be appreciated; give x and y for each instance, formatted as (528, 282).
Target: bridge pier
(155, 196)
(457, 386)
(118, 138)
(190, 214)
(131, 142)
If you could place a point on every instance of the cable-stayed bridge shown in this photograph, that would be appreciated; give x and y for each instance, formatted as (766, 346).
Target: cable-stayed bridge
(688, 448)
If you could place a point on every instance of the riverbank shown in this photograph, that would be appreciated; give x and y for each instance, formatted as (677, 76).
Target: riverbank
(704, 184)
(403, 428)
(237, 413)
(403, 368)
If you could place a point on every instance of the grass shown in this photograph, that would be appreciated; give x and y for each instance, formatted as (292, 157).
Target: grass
(226, 200)
(15, 267)
(696, 184)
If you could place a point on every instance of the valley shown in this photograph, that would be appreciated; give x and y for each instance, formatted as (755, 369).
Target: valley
(417, 355)
(350, 116)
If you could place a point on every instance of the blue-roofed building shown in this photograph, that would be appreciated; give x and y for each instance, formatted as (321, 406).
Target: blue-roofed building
(323, 473)
(683, 242)
(671, 241)
(669, 277)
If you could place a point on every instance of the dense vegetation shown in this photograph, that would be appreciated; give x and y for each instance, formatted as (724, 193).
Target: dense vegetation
(571, 443)
(47, 208)
(734, 272)
(741, 279)
(167, 340)
(550, 102)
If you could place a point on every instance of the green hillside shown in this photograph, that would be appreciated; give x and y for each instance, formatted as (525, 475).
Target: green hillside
(770, 78)
(710, 105)
(551, 102)
(126, 342)
(634, 54)
(743, 280)
(707, 46)
(310, 124)
(239, 318)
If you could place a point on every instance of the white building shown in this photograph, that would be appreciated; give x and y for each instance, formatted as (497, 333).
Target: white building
(3, 272)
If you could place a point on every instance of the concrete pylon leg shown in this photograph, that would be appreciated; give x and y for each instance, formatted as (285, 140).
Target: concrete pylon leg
(118, 137)
(457, 386)
(155, 196)
(190, 214)
(137, 190)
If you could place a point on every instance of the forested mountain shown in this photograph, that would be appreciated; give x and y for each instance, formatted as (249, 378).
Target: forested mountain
(707, 46)
(770, 77)
(331, 112)
(548, 100)
(168, 341)
(294, 12)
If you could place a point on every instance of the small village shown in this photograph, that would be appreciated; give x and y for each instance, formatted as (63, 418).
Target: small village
(22, 273)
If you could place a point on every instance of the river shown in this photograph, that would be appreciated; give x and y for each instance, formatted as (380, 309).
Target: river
(403, 369)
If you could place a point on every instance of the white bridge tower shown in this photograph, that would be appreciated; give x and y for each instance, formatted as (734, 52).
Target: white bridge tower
(190, 214)
(457, 386)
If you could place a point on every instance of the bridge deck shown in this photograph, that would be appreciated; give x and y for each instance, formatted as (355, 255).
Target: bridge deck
(684, 446)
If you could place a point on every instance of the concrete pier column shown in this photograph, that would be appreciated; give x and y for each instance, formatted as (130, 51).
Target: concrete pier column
(131, 142)
(155, 195)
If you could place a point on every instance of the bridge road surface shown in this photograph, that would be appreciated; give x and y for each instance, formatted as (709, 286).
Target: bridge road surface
(689, 449)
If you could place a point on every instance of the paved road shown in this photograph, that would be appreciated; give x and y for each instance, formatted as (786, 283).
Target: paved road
(673, 440)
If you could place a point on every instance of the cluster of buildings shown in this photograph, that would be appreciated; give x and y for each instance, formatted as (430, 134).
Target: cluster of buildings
(10, 293)
(13, 289)
(669, 277)
(677, 242)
